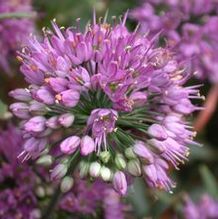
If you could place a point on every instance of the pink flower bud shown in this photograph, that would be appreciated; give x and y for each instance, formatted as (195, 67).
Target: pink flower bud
(142, 151)
(120, 183)
(37, 109)
(70, 144)
(87, 145)
(69, 98)
(58, 84)
(35, 146)
(20, 94)
(59, 172)
(66, 120)
(21, 110)
(53, 122)
(44, 95)
(35, 124)
(139, 98)
(158, 132)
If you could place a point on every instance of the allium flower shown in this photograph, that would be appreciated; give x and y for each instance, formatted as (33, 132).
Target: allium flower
(109, 99)
(189, 27)
(13, 31)
(17, 198)
(205, 208)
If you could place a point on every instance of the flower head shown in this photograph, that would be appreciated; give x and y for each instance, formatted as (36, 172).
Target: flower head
(109, 98)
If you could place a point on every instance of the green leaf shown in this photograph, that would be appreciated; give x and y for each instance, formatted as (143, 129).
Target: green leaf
(209, 181)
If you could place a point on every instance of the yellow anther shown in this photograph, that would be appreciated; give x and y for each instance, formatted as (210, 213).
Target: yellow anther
(19, 58)
(58, 97)
(47, 80)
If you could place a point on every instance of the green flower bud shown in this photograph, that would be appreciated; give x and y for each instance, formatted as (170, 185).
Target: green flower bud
(120, 162)
(129, 153)
(66, 184)
(49, 190)
(95, 169)
(84, 169)
(38, 180)
(40, 192)
(134, 167)
(105, 156)
(105, 173)
(45, 160)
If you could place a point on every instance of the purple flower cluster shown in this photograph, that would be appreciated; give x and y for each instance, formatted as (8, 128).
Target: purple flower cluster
(84, 198)
(17, 199)
(13, 31)
(113, 102)
(90, 199)
(112, 205)
(189, 26)
(205, 208)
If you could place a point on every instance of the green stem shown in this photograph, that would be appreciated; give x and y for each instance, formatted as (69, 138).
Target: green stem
(54, 200)
(57, 195)
(17, 15)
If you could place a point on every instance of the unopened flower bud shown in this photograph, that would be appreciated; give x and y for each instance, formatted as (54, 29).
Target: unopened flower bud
(105, 173)
(142, 151)
(36, 214)
(53, 122)
(49, 190)
(37, 109)
(58, 84)
(157, 131)
(59, 171)
(66, 120)
(84, 169)
(66, 184)
(32, 145)
(70, 144)
(95, 169)
(120, 162)
(44, 95)
(120, 183)
(157, 146)
(87, 145)
(139, 98)
(38, 180)
(35, 124)
(105, 156)
(40, 192)
(134, 167)
(21, 110)
(69, 98)
(20, 94)
(45, 160)
(129, 153)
